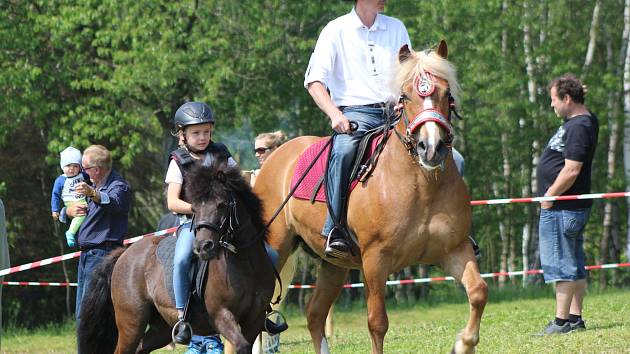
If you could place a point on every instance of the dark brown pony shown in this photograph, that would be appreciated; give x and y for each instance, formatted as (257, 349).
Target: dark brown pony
(414, 209)
(237, 292)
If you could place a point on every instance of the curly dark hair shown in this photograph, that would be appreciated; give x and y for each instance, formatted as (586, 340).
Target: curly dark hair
(570, 85)
(216, 181)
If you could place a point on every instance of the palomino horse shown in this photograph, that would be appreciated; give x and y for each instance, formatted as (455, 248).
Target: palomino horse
(414, 208)
(238, 288)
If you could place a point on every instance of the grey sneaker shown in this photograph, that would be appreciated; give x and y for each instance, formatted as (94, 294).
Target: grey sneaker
(553, 328)
(577, 326)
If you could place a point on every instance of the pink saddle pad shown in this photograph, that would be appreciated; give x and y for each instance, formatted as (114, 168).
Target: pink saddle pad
(305, 189)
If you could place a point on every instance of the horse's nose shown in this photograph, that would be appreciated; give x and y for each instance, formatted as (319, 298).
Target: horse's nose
(207, 246)
(432, 152)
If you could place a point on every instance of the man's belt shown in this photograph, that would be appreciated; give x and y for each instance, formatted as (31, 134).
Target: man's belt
(371, 105)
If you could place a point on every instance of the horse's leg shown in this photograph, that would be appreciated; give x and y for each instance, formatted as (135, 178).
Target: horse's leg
(330, 280)
(375, 270)
(226, 324)
(130, 331)
(132, 324)
(462, 265)
(158, 335)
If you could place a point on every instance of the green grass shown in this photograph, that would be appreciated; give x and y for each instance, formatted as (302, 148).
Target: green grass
(506, 327)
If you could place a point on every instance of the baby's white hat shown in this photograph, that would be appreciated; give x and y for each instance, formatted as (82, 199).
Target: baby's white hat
(70, 155)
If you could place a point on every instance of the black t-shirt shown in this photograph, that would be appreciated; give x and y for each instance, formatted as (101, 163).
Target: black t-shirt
(575, 140)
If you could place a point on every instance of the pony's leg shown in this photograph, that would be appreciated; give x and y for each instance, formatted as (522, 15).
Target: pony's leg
(226, 324)
(330, 280)
(462, 265)
(132, 325)
(375, 270)
(158, 335)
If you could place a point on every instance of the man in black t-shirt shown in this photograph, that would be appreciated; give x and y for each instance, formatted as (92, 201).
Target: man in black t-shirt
(565, 169)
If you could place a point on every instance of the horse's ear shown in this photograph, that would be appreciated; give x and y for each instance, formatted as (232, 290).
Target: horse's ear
(404, 53)
(442, 49)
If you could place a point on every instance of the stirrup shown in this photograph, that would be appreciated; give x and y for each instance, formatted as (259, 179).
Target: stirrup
(181, 335)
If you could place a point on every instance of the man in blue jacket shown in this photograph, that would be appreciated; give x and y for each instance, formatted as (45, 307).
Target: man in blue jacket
(106, 214)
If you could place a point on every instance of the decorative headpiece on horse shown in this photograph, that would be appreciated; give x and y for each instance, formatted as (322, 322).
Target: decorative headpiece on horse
(424, 84)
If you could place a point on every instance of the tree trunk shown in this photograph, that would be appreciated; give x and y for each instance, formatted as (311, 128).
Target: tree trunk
(529, 186)
(592, 39)
(504, 235)
(626, 128)
(613, 111)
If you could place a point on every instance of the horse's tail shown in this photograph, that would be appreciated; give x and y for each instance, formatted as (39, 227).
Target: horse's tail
(97, 332)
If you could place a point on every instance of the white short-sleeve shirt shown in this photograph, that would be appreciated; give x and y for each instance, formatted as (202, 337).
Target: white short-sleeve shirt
(355, 62)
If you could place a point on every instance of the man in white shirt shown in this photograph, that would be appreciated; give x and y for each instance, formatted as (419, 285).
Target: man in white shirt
(348, 77)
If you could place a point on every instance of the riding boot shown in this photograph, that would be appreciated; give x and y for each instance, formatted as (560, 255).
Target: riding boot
(337, 245)
(182, 332)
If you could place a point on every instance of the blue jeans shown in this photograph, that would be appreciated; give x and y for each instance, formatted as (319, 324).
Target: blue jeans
(181, 264)
(342, 156)
(87, 262)
(561, 244)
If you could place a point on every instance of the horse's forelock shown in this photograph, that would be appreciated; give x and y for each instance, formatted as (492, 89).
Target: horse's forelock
(206, 182)
(419, 62)
(215, 181)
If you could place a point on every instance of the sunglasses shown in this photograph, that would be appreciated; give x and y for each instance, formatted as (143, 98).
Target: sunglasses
(89, 168)
(262, 150)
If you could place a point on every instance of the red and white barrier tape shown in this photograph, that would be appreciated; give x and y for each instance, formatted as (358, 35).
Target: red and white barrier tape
(484, 275)
(548, 199)
(64, 257)
(173, 229)
(39, 283)
(361, 285)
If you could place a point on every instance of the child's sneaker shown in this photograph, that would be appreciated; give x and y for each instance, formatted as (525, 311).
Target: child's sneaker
(70, 238)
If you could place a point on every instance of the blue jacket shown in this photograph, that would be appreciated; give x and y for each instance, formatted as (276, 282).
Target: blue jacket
(107, 220)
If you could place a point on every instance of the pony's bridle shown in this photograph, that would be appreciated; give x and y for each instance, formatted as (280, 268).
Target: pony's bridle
(424, 86)
(229, 226)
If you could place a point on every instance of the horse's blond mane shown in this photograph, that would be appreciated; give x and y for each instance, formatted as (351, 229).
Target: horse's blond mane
(426, 61)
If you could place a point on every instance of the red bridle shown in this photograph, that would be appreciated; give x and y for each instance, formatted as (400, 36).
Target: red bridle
(424, 86)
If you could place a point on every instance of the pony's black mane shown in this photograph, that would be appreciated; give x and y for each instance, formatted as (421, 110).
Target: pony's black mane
(216, 181)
